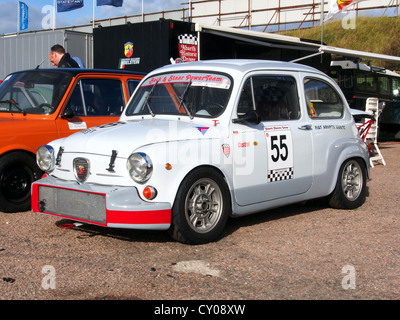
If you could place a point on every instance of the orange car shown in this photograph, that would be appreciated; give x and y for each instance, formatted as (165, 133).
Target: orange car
(38, 106)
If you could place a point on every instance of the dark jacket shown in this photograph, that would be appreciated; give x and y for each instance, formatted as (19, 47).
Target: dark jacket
(67, 62)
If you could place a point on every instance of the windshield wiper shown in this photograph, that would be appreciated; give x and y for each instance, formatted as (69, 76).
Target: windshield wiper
(12, 102)
(182, 97)
(146, 102)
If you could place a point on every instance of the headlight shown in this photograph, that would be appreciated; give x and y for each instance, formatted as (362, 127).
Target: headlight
(45, 158)
(139, 166)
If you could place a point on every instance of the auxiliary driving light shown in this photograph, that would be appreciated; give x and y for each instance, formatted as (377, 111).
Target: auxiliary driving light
(149, 192)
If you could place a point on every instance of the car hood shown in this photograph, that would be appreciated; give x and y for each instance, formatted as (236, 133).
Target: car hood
(127, 136)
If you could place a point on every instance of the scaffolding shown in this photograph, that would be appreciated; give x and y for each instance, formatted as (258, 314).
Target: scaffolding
(277, 14)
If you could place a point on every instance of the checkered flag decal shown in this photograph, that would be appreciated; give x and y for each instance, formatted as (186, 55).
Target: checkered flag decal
(187, 39)
(279, 175)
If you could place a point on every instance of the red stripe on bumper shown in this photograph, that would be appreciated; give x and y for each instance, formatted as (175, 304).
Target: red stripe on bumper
(139, 217)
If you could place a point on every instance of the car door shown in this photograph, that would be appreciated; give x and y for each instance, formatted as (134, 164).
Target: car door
(93, 101)
(273, 159)
(331, 125)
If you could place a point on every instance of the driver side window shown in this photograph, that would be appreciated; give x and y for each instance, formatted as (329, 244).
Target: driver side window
(274, 97)
(97, 97)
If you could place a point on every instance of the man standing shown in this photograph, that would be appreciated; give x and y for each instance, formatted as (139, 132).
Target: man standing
(61, 59)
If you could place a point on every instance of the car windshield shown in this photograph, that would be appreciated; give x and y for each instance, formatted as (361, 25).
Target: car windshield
(192, 94)
(33, 92)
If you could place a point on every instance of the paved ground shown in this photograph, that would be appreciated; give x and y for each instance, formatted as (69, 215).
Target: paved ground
(303, 251)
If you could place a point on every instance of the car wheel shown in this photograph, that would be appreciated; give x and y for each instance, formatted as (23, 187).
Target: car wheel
(201, 207)
(17, 172)
(350, 190)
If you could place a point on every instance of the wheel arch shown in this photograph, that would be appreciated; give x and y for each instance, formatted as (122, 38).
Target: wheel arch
(339, 166)
(338, 198)
(349, 150)
(218, 170)
(22, 151)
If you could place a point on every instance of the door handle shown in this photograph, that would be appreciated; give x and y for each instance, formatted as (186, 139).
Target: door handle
(306, 127)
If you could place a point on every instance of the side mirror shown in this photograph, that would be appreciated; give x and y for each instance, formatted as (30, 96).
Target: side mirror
(67, 114)
(253, 116)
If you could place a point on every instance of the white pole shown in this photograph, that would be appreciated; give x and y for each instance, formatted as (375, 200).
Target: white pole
(142, 12)
(93, 14)
(190, 10)
(54, 15)
(322, 21)
(18, 22)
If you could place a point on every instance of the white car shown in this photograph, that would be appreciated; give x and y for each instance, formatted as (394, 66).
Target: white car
(203, 141)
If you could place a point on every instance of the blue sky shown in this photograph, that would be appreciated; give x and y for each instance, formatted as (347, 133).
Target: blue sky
(9, 9)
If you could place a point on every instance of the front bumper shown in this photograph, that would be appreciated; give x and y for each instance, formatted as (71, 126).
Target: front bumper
(108, 206)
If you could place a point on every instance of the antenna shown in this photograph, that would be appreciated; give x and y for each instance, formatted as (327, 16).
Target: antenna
(37, 67)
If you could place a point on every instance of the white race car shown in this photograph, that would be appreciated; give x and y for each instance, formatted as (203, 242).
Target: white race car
(202, 141)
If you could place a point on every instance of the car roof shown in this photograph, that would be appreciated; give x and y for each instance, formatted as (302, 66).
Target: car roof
(76, 71)
(239, 65)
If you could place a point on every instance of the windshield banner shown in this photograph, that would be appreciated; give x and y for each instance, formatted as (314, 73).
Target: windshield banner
(196, 79)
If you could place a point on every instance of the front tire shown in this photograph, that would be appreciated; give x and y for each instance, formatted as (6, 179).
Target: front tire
(17, 172)
(201, 207)
(350, 190)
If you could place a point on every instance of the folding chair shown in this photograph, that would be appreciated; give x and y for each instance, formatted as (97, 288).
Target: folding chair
(372, 107)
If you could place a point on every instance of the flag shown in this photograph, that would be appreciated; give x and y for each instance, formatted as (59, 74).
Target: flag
(68, 5)
(339, 6)
(23, 16)
(114, 3)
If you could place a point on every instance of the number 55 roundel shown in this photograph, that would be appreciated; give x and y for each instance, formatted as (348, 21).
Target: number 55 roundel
(280, 153)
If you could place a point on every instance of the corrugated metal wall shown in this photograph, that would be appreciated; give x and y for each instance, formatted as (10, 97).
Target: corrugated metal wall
(80, 45)
(26, 51)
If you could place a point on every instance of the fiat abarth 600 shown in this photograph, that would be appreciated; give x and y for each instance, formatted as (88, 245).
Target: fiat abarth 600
(203, 141)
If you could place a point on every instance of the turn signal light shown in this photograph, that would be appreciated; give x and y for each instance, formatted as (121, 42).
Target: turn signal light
(369, 149)
(149, 193)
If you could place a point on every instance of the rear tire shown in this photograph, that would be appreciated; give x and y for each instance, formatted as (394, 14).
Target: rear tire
(17, 172)
(201, 208)
(350, 190)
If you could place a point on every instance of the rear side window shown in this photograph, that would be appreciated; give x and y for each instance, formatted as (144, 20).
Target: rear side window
(322, 100)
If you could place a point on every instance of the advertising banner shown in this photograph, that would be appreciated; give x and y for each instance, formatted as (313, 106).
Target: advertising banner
(188, 48)
(68, 5)
(23, 16)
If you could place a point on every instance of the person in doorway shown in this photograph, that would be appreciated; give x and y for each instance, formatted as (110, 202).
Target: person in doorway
(61, 59)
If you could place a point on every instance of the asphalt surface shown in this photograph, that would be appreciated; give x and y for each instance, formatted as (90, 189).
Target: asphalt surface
(305, 251)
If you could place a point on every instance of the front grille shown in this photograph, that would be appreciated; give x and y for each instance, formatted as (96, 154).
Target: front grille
(74, 204)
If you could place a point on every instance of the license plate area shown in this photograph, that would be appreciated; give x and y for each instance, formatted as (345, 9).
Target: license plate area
(74, 204)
